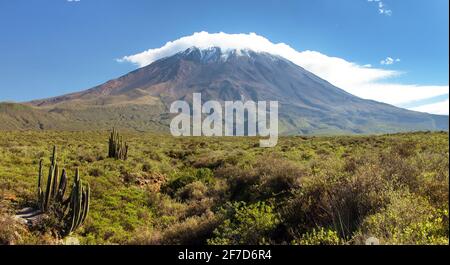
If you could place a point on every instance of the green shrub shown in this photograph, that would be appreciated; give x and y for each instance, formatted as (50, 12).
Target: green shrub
(147, 167)
(246, 224)
(95, 172)
(404, 148)
(319, 236)
(204, 175)
(193, 191)
(270, 177)
(331, 198)
(408, 219)
(194, 230)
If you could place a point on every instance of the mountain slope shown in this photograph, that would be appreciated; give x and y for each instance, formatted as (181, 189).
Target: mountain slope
(308, 104)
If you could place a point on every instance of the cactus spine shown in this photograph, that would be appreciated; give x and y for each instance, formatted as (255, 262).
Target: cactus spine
(74, 209)
(117, 148)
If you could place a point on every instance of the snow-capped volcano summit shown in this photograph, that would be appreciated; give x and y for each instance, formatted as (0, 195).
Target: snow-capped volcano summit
(212, 54)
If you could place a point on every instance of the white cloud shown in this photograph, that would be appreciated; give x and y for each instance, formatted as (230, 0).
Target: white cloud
(389, 60)
(381, 7)
(73, 0)
(435, 108)
(361, 80)
(397, 94)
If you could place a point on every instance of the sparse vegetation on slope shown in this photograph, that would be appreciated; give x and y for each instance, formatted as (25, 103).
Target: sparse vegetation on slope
(306, 190)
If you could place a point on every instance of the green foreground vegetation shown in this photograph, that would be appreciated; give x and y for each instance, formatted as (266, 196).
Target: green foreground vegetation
(306, 190)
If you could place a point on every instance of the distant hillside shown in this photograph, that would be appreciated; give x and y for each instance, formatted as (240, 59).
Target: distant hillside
(140, 100)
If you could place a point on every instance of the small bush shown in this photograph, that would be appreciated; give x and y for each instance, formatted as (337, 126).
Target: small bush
(408, 219)
(147, 167)
(95, 172)
(333, 199)
(246, 224)
(203, 175)
(191, 231)
(265, 179)
(9, 228)
(404, 148)
(193, 191)
(319, 236)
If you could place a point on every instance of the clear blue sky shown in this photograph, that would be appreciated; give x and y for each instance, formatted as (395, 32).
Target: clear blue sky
(51, 47)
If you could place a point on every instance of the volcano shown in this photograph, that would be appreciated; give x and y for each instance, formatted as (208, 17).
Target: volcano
(140, 100)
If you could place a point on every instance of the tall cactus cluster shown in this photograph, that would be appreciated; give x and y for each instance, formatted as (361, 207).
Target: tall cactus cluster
(72, 210)
(118, 149)
(79, 204)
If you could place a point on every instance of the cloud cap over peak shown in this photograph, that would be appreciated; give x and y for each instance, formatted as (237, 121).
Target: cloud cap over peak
(204, 40)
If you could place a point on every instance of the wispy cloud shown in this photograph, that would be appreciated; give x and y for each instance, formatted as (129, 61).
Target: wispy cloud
(382, 9)
(73, 0)
(389, 61)
(361, 80)
(435, 108)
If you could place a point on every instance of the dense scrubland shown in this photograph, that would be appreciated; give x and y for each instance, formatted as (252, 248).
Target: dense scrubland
(306, 190)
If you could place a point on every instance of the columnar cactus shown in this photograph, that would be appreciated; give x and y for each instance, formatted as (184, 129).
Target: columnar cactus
(45, 198)
(117, 148)
(73, 210)
(79, 203)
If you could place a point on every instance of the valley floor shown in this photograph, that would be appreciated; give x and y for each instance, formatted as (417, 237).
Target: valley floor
(306, 190)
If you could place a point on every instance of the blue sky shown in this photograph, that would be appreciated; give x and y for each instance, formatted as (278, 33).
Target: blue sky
(52, 47)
